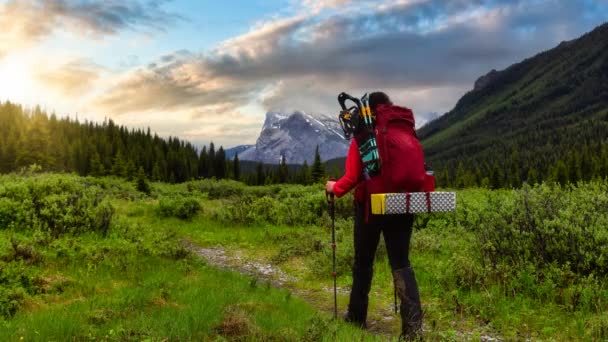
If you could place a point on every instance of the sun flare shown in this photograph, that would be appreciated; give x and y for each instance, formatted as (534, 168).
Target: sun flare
(16, 83)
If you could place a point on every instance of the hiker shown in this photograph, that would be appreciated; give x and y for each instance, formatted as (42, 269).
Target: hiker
(396, 229)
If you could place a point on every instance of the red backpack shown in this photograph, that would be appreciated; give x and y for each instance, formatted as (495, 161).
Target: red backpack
(402, 159)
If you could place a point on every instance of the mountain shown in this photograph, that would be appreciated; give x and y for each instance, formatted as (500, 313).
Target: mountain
(296, 136)
(237, 150)
(422, 120)
(543, 118)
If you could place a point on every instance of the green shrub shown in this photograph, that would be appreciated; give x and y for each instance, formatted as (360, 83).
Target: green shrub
(142, 185)
(296, 244)
(56, 204)
(547, 225)
(180, 207)
(16, 285)
(215, 189)
(291, 205)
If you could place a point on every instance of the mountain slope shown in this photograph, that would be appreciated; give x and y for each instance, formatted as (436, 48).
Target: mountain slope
(296, 136)
(236, 150)
(529, 119)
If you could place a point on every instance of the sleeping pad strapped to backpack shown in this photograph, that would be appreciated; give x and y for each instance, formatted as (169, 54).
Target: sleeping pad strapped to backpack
(401, 156)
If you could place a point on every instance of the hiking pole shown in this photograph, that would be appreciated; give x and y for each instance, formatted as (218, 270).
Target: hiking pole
(332, 212)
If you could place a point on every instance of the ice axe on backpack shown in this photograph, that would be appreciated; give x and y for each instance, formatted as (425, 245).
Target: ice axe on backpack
(332, 212)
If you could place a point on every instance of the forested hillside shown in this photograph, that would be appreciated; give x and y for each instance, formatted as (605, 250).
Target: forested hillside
(32, 137)
(545, 118)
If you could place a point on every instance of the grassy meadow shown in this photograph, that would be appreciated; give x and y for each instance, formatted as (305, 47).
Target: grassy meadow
(84, 258)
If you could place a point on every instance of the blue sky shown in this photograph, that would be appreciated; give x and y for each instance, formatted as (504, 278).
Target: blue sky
(209, 70)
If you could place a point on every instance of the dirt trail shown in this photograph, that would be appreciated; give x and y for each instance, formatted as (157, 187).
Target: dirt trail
(380, 323)
(217, 256)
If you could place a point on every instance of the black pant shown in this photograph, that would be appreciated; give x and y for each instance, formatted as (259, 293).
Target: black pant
(397, 232)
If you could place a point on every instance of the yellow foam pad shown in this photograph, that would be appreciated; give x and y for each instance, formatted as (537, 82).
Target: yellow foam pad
(378, 204)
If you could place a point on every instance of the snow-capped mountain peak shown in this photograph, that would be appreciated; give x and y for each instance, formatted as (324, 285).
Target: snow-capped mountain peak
(296, 136)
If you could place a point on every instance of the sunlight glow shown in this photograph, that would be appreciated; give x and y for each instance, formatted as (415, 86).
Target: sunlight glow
(16, 82)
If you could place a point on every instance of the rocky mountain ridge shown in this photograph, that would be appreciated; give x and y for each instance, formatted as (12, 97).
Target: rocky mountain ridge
(296, 136)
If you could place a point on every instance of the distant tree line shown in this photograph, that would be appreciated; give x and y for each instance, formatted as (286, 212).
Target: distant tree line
(577, 153)
(284, 173)
(31, 137)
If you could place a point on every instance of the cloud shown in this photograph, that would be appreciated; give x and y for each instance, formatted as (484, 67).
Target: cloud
(424, 53)
(319, 5)
(25, 22)
(71, 79)
(183, 83)
(228, 131)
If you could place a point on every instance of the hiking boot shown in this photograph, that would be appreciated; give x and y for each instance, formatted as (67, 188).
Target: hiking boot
(357, 307)
(410, 308)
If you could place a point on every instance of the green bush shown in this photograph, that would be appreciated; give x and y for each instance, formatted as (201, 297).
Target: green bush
(215, 189)
(56, 204)
(142, 185)
(291, 205)
(544, 242)
(180, 207)
(17, 283)
(296, 244)
(547, 225)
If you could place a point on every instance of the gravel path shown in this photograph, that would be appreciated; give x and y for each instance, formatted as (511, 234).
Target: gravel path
(216, 256)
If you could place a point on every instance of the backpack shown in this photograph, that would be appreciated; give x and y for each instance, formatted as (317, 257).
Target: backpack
(402, 166)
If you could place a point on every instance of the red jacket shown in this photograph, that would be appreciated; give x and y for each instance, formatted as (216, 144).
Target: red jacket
(353, 176)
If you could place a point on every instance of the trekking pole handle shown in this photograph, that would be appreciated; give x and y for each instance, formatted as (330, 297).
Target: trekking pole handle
(330, 195)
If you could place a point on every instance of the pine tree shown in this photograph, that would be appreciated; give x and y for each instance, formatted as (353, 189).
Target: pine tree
(10, 154)
(236, 167)
(604, 162)
(34, 144)
(259, 174)
(304, 175)
(561, 173)
(156, 173)
(118, 166)
(574, 167)
(532, 176)
(130, 170)
(141, 181)
(586, 165)
(211, 158)
(318, 170)
(514, 177)
(283, 172)
(220, 164)
(478, 176)
(444, 179)
(97, 168)
(203, 163)
(460, 181)
(496, 177)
